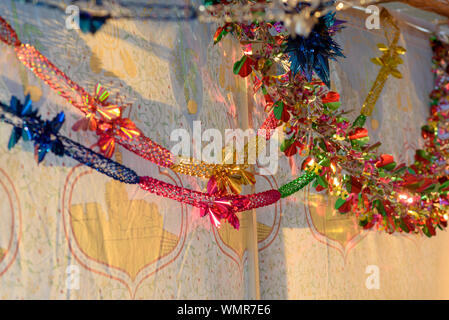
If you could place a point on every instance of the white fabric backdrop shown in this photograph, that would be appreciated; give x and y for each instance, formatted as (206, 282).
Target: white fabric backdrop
(61, 222)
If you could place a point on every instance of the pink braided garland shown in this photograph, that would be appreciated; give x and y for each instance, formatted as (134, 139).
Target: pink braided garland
(204, 200)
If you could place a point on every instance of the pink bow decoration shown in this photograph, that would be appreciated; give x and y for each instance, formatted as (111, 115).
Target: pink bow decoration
(223, 207)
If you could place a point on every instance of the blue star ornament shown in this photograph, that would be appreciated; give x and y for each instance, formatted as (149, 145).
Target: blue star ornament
(21, 110)
(311, 54)
(48, 139)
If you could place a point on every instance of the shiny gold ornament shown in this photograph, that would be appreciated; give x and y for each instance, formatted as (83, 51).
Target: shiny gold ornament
(389, 61)
(232, 180)
(230, 175)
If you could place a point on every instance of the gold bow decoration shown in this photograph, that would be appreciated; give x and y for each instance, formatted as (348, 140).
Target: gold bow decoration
(230, 176)
(389, 62)
(231, 180)
(234, 175)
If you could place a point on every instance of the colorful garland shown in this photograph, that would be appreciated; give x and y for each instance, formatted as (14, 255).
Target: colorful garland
(45, 134)
(339, 159)
(107, 121)
(433, 159)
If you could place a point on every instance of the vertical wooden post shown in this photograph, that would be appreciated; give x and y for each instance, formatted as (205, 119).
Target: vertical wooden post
(251, 236)
(253, 256)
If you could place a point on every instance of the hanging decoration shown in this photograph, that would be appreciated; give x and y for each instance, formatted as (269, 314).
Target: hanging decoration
(389, 61)
(311, 53)
(339, 157)
(432, 160)
(106, 120)
(46, 137)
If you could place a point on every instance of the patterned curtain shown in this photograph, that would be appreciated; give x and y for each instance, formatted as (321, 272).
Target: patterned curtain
(68, 232)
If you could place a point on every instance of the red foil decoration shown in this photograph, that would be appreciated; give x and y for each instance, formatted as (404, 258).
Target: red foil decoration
(218, 207)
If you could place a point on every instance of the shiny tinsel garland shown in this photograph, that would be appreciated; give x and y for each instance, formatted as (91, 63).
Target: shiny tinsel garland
(340, 159)
(105, 119)
(27, 124)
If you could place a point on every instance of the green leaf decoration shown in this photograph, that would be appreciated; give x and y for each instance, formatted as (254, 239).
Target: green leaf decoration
(211, 2)
(426, 231)
(325, 162)
(220, 36)
(423, 154)
(400, 170)
(286, 143)
(361, 204)
(359, 121)
(390, 166)
(342, 119)
(382, 173)
(238, 65)
(278, 109)
(268, 63)
(432, 188)
(380, 207)
(339, 203)
(360, 143)
(363, 223)
(348, 186)
(321, 181)
(333, 105)
(444, 186)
